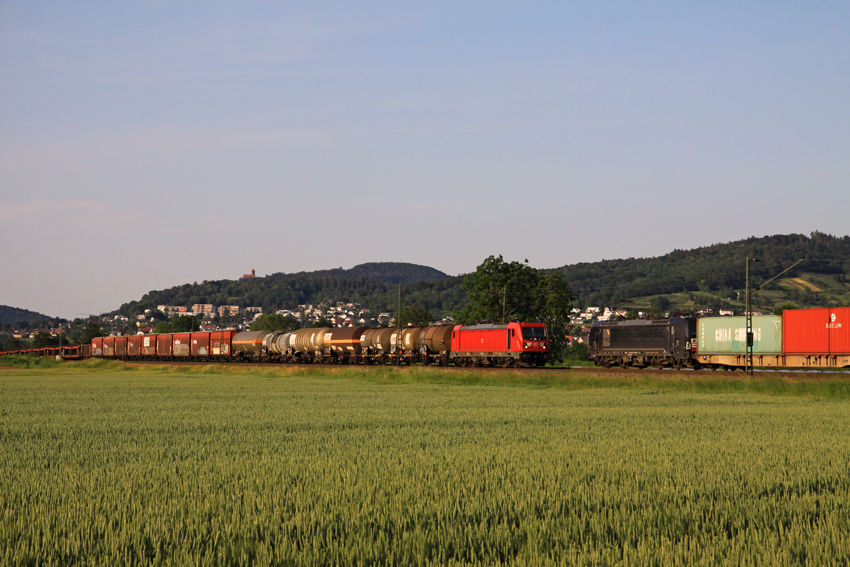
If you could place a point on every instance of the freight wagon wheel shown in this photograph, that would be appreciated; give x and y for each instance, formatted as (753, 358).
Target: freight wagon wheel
(624, 365)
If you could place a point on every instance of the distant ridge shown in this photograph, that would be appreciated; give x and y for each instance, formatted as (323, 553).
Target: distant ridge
(397, 273)
(720, 270)
(14, 315)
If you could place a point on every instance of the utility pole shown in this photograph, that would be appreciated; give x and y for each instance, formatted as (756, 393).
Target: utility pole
(504, 299)
(749, 314)
(398, 332)
(749, 366)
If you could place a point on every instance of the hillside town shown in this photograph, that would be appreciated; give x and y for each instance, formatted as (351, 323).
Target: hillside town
(218, 317)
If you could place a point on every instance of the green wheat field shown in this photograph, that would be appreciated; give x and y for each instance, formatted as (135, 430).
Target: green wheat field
(107, 464)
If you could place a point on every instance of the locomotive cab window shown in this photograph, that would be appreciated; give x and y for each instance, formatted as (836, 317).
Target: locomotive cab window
(534, 333)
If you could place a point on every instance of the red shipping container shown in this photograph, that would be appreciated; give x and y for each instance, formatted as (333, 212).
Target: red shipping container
(805, 331)
(182, 342)
(163, 344)
(108, 346)
(839, 330)
(121, 346)
(149, 345)
(200, 344)
(134, 345)
(97, 346)
(221, 342)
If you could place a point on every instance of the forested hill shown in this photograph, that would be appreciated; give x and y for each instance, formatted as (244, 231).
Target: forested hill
(720, 270)
(703, 277)
(392, 273)
(373, 285)
(14, 315)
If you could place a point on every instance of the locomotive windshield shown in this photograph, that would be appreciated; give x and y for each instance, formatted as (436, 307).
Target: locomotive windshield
(534, 333)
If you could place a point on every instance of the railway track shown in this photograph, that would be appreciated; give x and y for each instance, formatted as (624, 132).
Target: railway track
(542, 370)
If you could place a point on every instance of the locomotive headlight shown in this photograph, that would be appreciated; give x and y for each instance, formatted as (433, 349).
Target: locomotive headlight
(527, 345)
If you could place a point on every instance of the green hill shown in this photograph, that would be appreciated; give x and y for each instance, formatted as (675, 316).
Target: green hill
(374, 285)
(14, 315)
(713, 276)
(397, 273)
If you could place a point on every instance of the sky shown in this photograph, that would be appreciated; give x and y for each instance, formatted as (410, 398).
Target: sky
(145, 145)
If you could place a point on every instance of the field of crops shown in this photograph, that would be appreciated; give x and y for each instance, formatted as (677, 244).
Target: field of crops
(104, 466)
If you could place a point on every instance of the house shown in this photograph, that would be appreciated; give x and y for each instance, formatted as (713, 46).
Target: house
(203, 308)
(228, 309)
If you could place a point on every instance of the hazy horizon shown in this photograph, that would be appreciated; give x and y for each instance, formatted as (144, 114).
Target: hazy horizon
(145, 145)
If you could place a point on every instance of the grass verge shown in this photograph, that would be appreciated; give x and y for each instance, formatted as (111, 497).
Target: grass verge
(813, 385)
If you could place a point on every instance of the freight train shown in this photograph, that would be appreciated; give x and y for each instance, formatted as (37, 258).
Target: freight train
(801, 338)
(503, 345)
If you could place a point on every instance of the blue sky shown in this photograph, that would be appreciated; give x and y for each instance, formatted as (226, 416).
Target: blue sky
(149, 144)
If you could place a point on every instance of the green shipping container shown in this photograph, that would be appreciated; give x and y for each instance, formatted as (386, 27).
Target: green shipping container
(728, 335)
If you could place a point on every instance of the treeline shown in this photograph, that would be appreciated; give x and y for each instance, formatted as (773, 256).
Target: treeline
(18, 317)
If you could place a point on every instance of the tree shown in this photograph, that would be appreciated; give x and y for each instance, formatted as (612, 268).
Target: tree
(659, 304)
(275, 322)
(10, 343)
(783, 306)
(185, 324)
(322, 323)
(554, 301)
(44, 339)
(499, 290)
(518, 291)
(415, 315)
(162, 327)
(92, 331)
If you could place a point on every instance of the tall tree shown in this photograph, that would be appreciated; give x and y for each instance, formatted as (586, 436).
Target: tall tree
(500, 290)
(44, 339)
(275, 322)
(185, 324)
(10, 343)
(92, 331)
(415, 315)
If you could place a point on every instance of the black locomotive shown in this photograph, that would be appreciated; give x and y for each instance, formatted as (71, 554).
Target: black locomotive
(658, 343)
